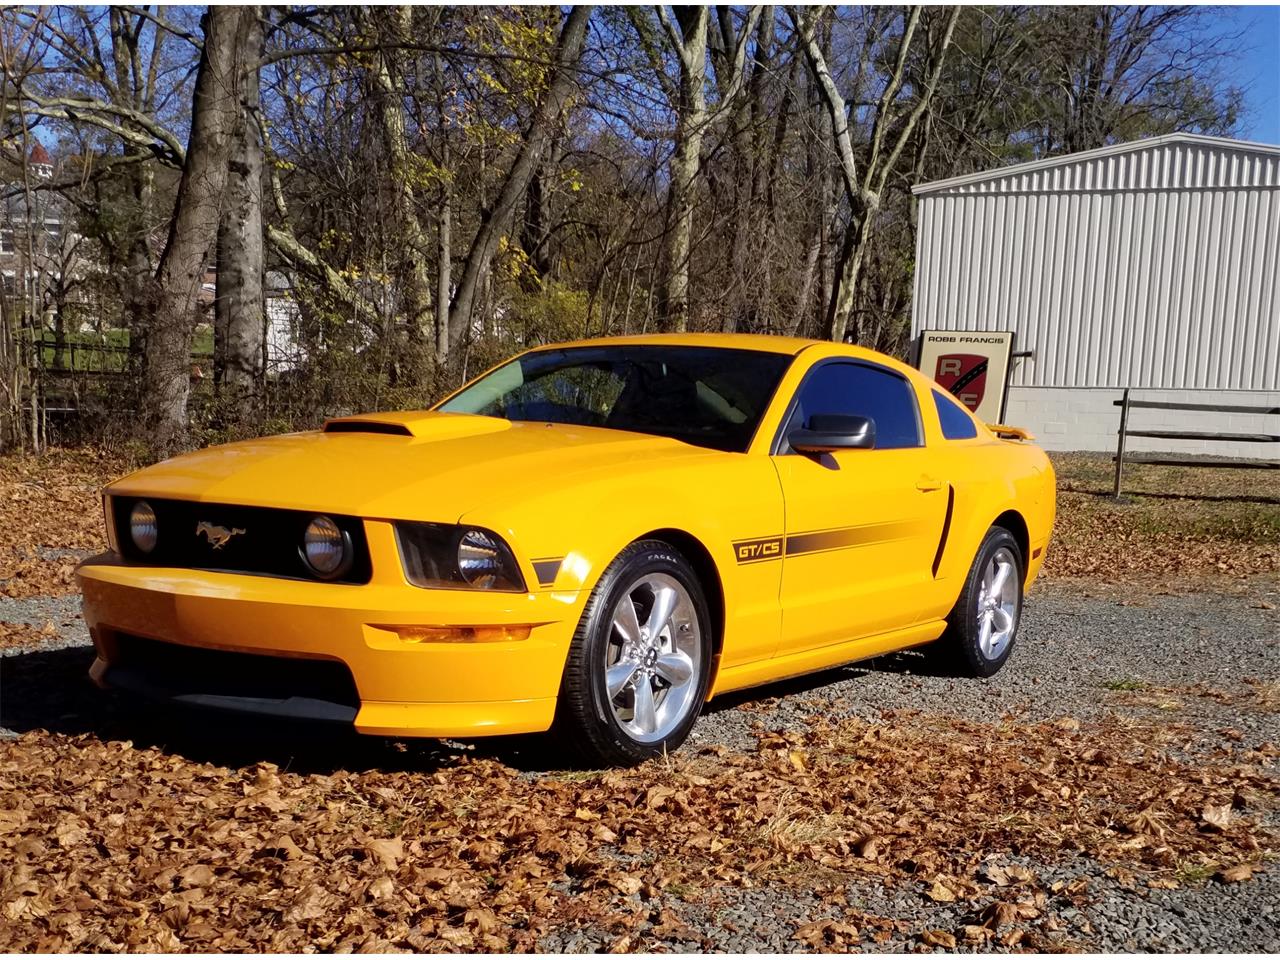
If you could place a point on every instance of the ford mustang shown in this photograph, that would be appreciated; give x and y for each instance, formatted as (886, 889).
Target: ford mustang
(593, 538)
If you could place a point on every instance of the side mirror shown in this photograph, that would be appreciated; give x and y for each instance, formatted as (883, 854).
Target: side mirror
(824, 432)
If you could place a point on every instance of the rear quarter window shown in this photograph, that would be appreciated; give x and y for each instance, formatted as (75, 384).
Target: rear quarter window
(955, 420)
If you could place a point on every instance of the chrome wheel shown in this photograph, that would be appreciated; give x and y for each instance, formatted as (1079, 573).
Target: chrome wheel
(998, 604)
(653, 658)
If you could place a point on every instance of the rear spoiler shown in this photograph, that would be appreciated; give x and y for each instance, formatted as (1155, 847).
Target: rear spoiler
(1010, 433)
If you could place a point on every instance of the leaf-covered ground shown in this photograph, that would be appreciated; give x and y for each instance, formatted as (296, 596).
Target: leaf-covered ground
(51, 512)
(1172, 522)
(110, 847)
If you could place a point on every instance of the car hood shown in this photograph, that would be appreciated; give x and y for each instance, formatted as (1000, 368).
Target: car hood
(428, 466)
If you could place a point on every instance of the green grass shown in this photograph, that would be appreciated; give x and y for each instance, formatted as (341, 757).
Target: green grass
(1193, 874)
(90, 352)
(1125, 683)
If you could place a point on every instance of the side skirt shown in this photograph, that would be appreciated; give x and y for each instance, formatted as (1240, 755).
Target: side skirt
(808, 661)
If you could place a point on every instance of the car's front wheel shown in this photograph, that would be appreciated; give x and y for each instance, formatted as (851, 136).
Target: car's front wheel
(639, 664)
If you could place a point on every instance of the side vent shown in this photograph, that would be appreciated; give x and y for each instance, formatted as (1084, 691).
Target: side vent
(367, 426)
(946, 530)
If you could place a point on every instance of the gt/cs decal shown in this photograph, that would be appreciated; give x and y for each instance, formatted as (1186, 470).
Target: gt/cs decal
(822, 541)
(753, 551)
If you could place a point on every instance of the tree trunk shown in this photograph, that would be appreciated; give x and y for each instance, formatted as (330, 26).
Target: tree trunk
(864, 184)
(684, 163)
(499, 217)
(444, 228)
(171, 309)
(413, 266)
(742, 309)
(239, 310)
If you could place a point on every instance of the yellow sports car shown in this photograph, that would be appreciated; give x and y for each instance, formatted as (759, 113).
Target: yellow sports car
(594, 537)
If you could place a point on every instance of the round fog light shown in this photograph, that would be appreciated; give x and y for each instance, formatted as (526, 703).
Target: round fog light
(142, 526)
(325, 548)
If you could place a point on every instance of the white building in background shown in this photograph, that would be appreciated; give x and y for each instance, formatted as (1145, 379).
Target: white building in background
(1153, 265)
(283, 316)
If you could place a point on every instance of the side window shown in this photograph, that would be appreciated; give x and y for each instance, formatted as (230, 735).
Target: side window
(863, 390)
(956, 423)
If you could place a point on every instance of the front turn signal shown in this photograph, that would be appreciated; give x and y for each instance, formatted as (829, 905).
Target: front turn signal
(498, 634)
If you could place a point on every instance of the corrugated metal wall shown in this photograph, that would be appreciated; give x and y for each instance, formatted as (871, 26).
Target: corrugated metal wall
(1150, 265)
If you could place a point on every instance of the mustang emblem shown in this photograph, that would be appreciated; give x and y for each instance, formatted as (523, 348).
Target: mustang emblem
(216, 535)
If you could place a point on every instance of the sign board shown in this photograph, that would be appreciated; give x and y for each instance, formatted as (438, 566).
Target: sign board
(972, 364)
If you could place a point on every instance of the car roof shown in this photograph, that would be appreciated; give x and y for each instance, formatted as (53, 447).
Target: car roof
(727, 341)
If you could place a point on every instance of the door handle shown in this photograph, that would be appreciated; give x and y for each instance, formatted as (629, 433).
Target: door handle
(929, 484)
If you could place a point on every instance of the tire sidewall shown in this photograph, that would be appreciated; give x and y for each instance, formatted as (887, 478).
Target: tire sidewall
(616, 583)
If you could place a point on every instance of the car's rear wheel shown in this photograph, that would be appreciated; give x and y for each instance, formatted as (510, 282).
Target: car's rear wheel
(983, 626)
(638, 667)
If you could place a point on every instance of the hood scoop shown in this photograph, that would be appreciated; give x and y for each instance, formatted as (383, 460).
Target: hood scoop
(420, 425)
(366, 426)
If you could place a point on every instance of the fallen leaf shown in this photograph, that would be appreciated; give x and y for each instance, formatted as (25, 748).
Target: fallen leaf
(1218, 817)
(388, 852)
(940, 893)
(196, 875)
(939, 938)
(1237, 874)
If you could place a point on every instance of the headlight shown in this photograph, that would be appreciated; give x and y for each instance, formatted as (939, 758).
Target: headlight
(142, 526)
(326, 548)
(445, 556)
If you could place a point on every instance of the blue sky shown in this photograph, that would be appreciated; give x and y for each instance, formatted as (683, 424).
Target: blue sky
(1258, 68)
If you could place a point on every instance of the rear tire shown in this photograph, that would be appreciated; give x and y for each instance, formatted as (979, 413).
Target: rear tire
(639, 664)
(982, 627)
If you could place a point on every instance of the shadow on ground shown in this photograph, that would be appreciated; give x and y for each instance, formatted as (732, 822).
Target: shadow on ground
(1133, 496)
(916, 662)
(50, 690)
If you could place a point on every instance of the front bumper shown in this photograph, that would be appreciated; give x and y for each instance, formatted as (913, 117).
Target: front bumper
(404, 686)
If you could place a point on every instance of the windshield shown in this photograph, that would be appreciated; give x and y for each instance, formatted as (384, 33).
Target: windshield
(708, 396)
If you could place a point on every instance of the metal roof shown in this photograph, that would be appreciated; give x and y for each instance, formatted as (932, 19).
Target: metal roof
(1173, 161)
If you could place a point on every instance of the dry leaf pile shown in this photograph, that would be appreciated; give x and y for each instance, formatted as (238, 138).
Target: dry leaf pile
(1172, 521)
(51, 515)
(24, 635)
(104, 846)
(1100, 542)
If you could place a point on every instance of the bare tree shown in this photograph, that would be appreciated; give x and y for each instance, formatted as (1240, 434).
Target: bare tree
(891, 130)
(239, 309)
(215, 118)
(516, 183)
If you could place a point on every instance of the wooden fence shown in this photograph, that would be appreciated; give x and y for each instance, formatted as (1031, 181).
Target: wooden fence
(1238, 463)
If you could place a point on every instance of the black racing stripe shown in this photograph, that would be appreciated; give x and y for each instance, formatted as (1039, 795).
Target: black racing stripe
(821, 541)
(547, 570)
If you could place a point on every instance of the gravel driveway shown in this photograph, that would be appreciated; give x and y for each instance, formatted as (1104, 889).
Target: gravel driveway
(1207, 659)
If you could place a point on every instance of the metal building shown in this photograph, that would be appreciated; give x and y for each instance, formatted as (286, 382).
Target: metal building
(1153, 265)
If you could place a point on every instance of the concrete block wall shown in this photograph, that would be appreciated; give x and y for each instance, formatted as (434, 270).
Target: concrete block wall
(1084, 418)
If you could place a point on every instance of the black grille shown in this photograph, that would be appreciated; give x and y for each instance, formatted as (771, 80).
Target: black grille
(265, 541)
(244, 682)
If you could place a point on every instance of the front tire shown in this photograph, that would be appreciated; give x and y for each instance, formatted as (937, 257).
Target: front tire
(639, 664)
(983, 626)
